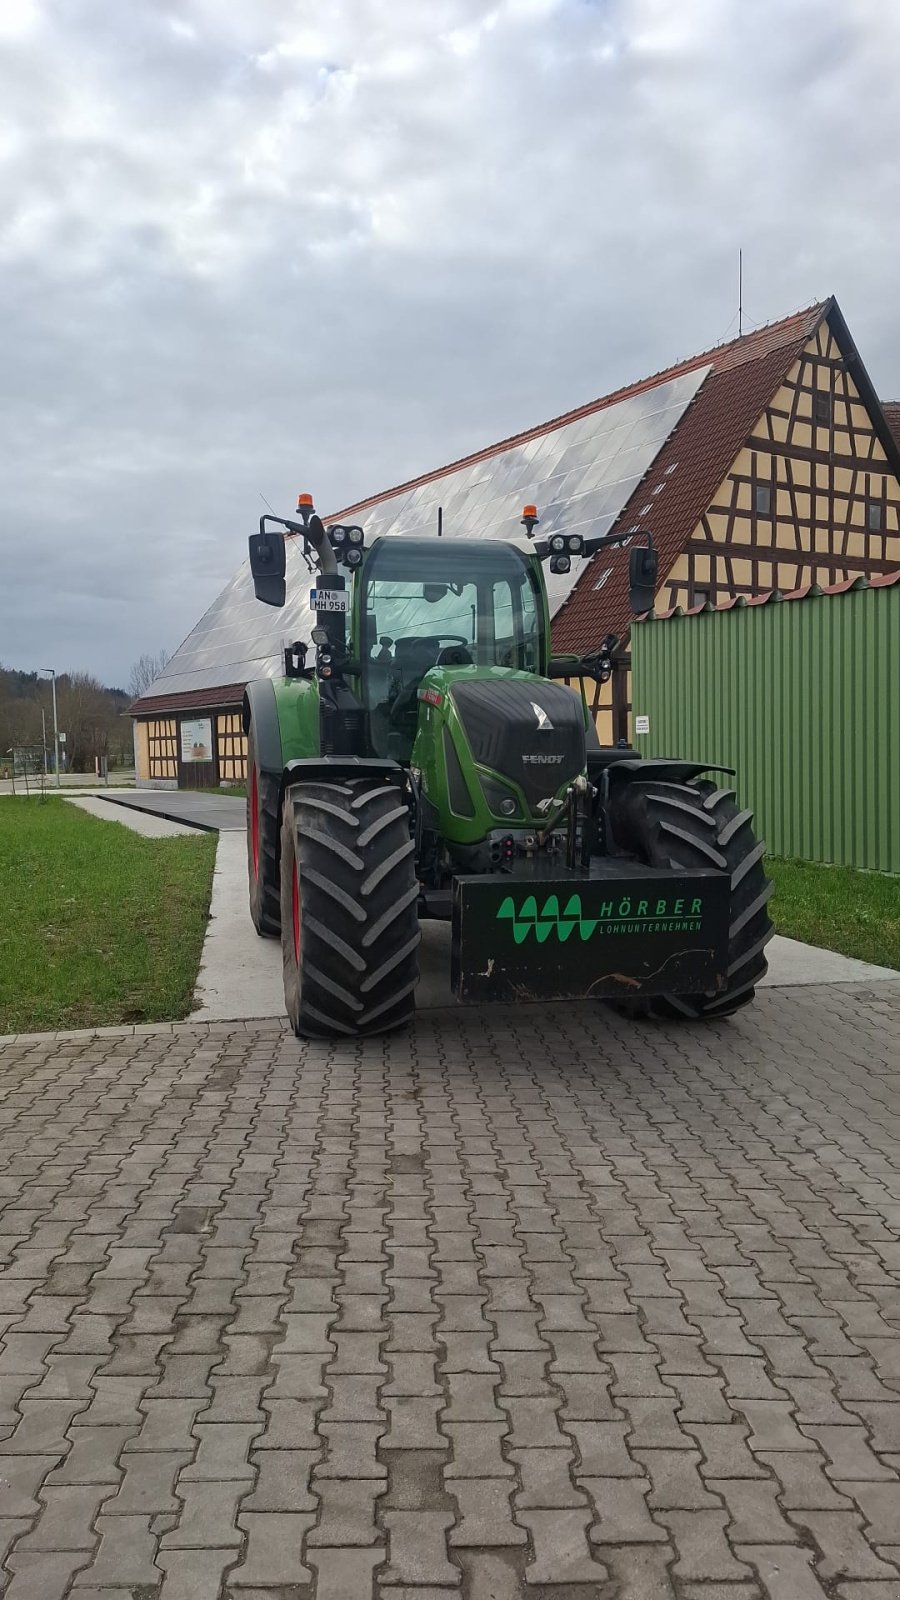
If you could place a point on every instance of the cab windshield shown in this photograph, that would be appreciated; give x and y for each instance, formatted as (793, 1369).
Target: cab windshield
(447, 603)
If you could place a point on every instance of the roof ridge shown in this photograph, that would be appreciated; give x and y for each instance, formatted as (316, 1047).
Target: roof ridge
(614, 397)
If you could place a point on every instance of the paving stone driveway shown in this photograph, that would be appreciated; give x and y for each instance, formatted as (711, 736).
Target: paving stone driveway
(549, 1306)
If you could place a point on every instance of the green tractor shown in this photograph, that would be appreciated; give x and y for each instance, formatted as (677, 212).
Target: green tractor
(421, 758)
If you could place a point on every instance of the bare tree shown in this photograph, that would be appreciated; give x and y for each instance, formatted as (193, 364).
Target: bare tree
(145, 671)
(86, 712)
(93, 718)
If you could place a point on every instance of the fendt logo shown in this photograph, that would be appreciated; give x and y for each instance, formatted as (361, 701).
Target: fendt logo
(622, 916)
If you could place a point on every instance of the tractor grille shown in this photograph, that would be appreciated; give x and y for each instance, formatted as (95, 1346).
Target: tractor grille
(531, 733)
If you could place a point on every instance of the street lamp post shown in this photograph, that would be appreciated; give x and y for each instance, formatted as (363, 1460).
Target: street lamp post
(52, 672)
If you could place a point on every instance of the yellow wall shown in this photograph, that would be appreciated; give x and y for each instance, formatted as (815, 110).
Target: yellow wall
(142, 750)
(817, 530)
(602, 712)
(231, 747)
(162, 741)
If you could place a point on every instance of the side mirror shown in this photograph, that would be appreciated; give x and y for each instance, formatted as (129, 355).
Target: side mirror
(642, 567)
(268, 565)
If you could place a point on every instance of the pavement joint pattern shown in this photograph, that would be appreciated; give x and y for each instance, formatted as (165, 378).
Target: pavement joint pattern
(519, 1303)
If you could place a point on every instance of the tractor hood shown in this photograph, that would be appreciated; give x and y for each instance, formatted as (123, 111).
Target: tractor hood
(526, 729)
(495, 748)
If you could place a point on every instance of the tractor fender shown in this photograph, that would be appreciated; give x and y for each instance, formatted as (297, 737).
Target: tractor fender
(661, 769)
(260, 708)
(325, 769)
(285, 717)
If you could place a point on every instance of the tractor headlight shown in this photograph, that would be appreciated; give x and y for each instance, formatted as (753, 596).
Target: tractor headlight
(560, 564)
(353, 556)
(337, 535)
(501, 801)
(557, 543)
(574, 544)
(355, 535)
(320, 636)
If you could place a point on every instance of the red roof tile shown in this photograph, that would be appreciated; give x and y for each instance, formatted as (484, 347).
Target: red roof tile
(891, 409)
(164, 705)
(691, 464)
(815, 591)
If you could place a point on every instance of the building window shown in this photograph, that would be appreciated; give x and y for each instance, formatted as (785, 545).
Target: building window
(822, 409)
(762, 499)
(873, 516)
(701, 597)
(231, 742)
(163, 748)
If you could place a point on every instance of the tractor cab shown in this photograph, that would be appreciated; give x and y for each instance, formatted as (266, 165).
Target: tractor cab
(452, 604)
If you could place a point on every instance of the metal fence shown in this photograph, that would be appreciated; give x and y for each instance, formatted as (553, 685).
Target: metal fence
(802, 697)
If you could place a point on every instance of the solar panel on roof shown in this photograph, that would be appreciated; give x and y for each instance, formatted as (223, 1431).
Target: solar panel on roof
(580, 475)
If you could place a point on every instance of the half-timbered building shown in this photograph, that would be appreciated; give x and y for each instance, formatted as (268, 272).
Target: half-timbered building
(764, 464)
(784, 472)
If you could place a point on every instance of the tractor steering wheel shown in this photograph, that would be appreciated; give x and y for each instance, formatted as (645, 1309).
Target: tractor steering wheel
(404, 702)
(455, 655)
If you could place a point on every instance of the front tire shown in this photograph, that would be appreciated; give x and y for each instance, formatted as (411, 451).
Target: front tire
(349, 914)
(263, 824)
(695, 825)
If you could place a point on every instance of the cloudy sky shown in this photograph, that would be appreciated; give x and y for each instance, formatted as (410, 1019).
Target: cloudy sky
(254, 246)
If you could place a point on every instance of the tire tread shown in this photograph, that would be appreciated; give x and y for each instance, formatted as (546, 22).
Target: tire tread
(359, 921)
(264, 889)
(641, 814)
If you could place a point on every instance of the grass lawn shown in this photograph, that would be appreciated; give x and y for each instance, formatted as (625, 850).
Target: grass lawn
(98, 926)
(856, 913)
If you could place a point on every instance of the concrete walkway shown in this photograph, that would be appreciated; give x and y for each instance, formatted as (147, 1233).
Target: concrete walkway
(240, 973)
(136, 821)
(791, 963)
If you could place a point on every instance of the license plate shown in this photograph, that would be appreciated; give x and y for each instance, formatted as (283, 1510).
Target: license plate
(329, 600)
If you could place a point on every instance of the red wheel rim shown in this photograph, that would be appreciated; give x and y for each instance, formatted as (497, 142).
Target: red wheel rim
(254, 822)
(295, 908)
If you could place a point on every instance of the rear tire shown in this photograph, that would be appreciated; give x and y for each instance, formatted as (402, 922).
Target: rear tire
(349, 912)
(696, 825)
(263, 828)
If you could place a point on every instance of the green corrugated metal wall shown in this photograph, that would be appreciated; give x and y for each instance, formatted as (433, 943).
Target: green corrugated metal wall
(802, 697)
